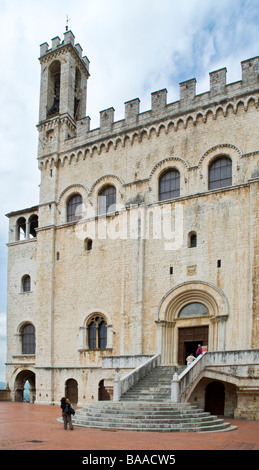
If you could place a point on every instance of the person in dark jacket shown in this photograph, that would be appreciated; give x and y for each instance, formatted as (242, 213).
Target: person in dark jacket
(66, 415)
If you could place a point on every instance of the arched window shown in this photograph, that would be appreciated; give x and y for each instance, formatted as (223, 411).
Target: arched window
(74, 208)
(169, 185)
(33, 224)
(26, 283)
(195, 309)
(88, 244)
(192, 239)
(220, 173)
(54, 88)
(21, 228)
(28, 339)
(97, 333)
(77, 103)
(107, 200)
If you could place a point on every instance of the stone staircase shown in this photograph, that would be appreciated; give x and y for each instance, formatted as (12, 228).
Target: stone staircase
(147, 407)
(155, 386)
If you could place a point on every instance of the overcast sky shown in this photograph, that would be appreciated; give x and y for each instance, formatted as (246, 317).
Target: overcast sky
(135, 47)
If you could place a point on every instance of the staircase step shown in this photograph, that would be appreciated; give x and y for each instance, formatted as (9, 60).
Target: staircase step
(147, 407)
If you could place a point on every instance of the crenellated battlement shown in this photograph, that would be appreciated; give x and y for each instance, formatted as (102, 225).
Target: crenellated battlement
(56, 44)
(189, 101)
(76, 129)
(219, 91)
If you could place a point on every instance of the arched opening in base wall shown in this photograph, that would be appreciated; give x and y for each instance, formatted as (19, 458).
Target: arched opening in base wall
(19, 386)
(104, 393)
(215, 398)
(208, 397)
(71, 391)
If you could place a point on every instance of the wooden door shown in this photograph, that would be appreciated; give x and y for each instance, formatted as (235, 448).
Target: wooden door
(191, 336)
(72, 391)
(215, 398)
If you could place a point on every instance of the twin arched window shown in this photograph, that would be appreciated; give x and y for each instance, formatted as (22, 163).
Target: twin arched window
(25, 228)
(97, 333)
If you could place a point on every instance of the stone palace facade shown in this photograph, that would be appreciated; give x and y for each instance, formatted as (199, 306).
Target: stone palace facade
(145, 240)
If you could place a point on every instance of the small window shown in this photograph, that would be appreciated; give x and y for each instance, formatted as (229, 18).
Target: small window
(26, 284)
(169, 185)
(21, 228)
(88, 244)
(195, 309)
(28, 339)
(192, 239)
(74, 208)
(220, 173)
(97, 333)
(33, 225)
(107, 200)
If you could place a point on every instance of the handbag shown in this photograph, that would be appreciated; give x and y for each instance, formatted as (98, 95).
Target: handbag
(69, 410)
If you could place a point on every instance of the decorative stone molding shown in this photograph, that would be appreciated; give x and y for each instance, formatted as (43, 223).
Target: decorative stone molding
(165, 123)
(193, 291)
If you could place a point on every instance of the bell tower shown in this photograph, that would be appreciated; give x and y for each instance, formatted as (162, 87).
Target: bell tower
(63, 91)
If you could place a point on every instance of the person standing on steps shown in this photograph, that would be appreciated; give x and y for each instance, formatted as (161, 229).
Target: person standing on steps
(199, 350)
(190, 359)
(67, 412)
